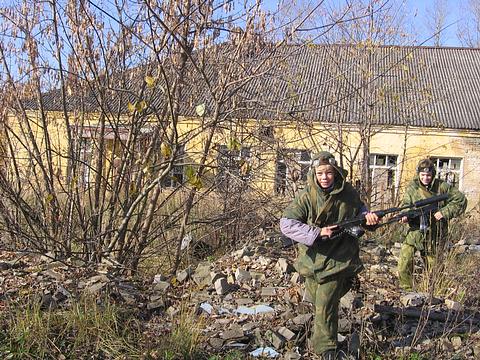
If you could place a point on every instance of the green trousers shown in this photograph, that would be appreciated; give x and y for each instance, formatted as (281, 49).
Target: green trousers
(406, 262)
(326, 298)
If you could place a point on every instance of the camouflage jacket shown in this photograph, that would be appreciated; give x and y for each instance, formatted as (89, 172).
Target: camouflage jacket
(326, 259)
(454, 206)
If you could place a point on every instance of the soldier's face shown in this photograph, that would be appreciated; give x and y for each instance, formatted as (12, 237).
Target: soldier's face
(325, 175)
(425, 177)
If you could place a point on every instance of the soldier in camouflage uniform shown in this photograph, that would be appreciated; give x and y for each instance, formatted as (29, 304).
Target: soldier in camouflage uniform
(329, 261)
(427, 232)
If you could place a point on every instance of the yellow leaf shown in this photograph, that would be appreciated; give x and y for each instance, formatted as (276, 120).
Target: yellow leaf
(150, 80)
(234, 144)
(140, 105)
(49, 198)
(133, 188)
(165, 150)
(245, 168)
(189, 172)
(131, 107)
(197, 183)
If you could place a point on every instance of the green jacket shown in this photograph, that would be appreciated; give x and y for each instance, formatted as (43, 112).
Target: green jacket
(330, 258)
(454, 206)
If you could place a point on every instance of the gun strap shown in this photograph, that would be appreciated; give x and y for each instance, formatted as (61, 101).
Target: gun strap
(425, 193)
(321, 215)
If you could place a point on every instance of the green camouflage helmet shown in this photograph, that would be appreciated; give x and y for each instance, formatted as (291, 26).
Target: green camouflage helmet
(324, 158)
(426, 165)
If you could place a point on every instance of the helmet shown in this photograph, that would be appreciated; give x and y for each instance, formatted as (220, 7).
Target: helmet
(426, 165)
(323, 158)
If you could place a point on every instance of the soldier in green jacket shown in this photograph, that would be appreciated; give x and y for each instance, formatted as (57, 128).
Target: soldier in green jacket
(329, 261)
(427, 233)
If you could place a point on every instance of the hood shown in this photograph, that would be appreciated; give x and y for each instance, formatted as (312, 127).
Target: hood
(340, 176)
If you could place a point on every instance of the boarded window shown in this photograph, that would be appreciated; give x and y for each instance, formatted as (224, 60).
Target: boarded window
(176, 176)
(291, 170)
(232, 167)
(384, 173)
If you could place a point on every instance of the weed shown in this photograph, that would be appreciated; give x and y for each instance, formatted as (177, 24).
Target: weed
(232, 355)
(185, 337)
(415, 356)
(454, 277)
(84, 329)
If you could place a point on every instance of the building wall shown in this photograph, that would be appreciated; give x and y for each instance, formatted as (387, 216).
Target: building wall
(409, 149)
(421, 143)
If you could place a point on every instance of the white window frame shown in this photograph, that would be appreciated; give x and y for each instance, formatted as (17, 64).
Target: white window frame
(441, 171)
(232, 169)
(379, 169)
(86, 157)
(373, 166)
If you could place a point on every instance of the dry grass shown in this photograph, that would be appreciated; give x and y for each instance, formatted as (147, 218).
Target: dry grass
(86, 328)
(455, 273)
(186, 336)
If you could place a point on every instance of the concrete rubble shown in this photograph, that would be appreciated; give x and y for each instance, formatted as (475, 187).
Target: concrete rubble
(253, 300)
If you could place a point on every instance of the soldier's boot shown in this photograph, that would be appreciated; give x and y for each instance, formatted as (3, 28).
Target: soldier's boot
(405, 267)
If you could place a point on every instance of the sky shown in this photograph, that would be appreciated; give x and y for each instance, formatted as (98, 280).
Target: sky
(420, 13)
(417, 13)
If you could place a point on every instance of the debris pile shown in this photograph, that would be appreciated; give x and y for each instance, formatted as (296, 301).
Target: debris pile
(253, 301)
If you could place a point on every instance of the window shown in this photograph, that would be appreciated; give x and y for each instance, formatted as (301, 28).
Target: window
(233, 165)
(449, 169)
(176, 176)
(383, 169)
(267, 132)
(86, 155)
(291, 170)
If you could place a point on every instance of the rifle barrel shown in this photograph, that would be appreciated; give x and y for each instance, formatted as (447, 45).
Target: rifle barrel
(431, 200)
(420, 205)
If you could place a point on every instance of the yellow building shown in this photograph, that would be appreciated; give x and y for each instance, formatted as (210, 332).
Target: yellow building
(380, 108)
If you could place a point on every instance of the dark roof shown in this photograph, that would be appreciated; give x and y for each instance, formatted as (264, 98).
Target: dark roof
(390, 85)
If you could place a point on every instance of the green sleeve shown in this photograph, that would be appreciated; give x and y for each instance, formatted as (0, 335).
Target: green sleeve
(455, 204)
(407, 197)
(298, 208)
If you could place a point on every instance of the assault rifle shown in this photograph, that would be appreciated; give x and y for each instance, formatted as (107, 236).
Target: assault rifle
(419, 209)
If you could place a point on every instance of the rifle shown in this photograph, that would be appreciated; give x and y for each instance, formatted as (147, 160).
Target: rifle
(417, 209)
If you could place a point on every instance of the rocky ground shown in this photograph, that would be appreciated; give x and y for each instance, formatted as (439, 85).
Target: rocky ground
(253, 301)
